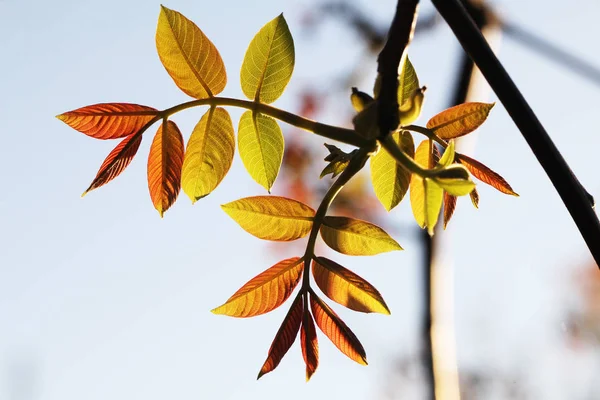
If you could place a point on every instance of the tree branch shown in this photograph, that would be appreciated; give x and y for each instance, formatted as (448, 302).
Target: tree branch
(568, 187)
(399, 37)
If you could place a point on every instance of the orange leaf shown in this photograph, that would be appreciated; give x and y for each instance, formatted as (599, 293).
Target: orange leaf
(485, 175)
(109, 120)
(265, 292)
(285, 337)
(164, 166)
(310, 344)
(116, 161)
(459, 120)
(346, 288)
(449, 207)
(474, 198)
(337, 331)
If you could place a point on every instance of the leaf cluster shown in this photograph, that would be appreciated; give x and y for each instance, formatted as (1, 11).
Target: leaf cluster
(198, 167)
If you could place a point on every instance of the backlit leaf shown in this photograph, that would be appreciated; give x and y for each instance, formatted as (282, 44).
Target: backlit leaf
(449, 207)
(474, 198)
(390, 180)
(337, 331)
(116, 161)
(109, 120)
(285, 337)
(260, 143)
(459, 120)
(310, 344)
(485, 174)
(355, 237)
(448, 156)
(272, 217)
(189, 56)
(455, 180)
(425, 196)
(346, 288)
(269, 62)
(408, 82)
(265, 292)
(209, 154)
(164, 166)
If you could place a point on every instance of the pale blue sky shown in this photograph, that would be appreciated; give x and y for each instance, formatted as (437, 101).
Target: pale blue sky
(101, 299)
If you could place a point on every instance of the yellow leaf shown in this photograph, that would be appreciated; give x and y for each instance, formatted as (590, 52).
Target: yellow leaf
(355, 237)
(346, 288)
(189, 56)
(209, 154)
(408, 83)
(459, 120)
(425, 196)
(265, 292)
(272, 217)
(260, 143)
(390, 180)
(448, 156)
(269, 62)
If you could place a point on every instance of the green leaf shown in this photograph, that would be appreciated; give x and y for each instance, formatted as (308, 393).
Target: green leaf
(390, 180)
(272, 217)
(269, 62)
(425, 196)
(455, 180)
(448, 156)
(338, 161)
(209, 154)
(408, 83)
(459, 120)
(360, 100)
(261, 146)
(365, 122)
(355, 237)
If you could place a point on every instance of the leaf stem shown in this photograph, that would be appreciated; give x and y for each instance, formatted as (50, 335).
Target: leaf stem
(404, 159)
(354, 166)
(427, 132)
(336, 133)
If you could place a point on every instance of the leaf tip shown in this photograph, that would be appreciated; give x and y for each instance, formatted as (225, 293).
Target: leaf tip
(62, 117)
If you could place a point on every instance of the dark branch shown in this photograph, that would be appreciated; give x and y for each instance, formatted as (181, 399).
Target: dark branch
(399, 37)
(568, 187)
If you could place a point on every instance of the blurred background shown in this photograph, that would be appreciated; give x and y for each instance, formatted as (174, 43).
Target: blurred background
(102, 299)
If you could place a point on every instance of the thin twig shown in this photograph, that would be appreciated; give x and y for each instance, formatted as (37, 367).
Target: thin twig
(563, 179)
(399, 37)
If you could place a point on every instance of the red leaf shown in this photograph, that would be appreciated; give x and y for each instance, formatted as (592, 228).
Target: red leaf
(285, 337)
(485, 174)
(164, 166)
(310, 344)
(474, 198)
(265, 292)
(109, 120)
(116, 162)
(449, 207)
(337, 331)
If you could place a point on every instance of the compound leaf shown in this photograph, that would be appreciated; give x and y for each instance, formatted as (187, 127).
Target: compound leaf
(285, 337)
(390, 180)
(189, 56)
(272, 217)
(346, 288)
(485, 174)
(209, 154)
(265, 292)
(164, 166)
(425, 196)
(459, 120)
(109, 120)
(261, 146)
(116, 161)
(269, 62)
(310, 344)
(355, 237)
(337, 331)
